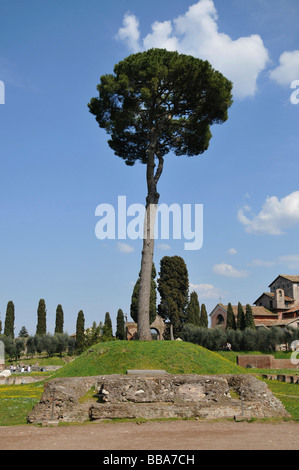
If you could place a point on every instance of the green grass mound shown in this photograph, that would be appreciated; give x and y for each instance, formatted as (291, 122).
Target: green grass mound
(175, 357)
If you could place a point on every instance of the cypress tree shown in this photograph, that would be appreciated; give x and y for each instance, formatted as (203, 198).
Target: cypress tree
(193, 310)
(203, 321)
(9, 324)
(41, 327)
(80, 328)
(241, 318)
(230, 319)
(249, 319)
(120, 325)
(173, 287)
(59, 319)
(107, 329)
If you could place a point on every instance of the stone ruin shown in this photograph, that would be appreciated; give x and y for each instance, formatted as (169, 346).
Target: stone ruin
(154, 395)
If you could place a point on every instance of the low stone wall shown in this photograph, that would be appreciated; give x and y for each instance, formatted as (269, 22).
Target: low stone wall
(169, 396)
(266, 361)
(20, 379)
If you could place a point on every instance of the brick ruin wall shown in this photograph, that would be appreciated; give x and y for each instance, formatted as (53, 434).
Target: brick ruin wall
(265, 362)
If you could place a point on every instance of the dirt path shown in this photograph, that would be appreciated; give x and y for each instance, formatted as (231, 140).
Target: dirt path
(171, 435)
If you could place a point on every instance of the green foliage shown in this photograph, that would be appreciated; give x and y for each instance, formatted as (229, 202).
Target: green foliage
(249, 320)
(260, 339)
(193, 310)
(173, 287)
(62, 343)
(93, 335)
(9, 324)
(107, 330)
(23, 333)
(241, 325)
(80, 327)
(181, 94)
(203, 321)
(230, 320)
(13, 347)
(153, 299)
(59, 319)
(41, 328)
(120, 325)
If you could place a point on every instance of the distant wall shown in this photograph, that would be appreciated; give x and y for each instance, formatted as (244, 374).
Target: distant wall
(265, 362)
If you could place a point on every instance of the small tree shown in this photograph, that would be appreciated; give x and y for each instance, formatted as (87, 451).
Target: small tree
(41, 327)
(49, 344)
(203, 321)
(80, 338)
(9, 324)
(120, 325)
(230, 319)
(62, 341)
(249, 319)
(173, 287)
(92, 335)
(241, 318)
(23, 333)
(193, 310)
(107, 330)
(19, 347)
(59, 319)
(30, 345)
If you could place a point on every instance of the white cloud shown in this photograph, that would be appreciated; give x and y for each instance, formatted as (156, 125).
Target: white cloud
(124, 248)
(196, 33)
(232, 251)
(164, 247)
(288, 69)
(227, 270)
(259, 263)
(275, 217)
(129, 33)
(291, 261)
(206, 291)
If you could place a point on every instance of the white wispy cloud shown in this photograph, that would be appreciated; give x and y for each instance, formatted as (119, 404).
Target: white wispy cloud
(124, 248)
(232, 251)
(259, 263)
(287, 261)
(227, 270)
(275, 216)
(196, 33)
(206, 291)
(291, 261)
(288, 68)
(164, 247)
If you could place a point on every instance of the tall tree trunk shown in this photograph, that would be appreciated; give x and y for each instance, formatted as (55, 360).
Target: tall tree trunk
(143, 323)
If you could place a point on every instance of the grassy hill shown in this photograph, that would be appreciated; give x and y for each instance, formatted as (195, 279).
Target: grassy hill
(176, 357)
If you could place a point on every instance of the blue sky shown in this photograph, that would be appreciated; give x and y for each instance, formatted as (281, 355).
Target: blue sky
(56, 166)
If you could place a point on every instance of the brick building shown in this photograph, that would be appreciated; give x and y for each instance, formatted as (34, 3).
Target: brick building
(279, 307)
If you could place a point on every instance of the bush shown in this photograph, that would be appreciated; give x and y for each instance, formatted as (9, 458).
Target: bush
(260, 339)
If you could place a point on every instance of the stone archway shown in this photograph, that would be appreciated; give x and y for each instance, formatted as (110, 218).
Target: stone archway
(158, 325)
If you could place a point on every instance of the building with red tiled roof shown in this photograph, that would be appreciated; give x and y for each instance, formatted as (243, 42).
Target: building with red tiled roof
(279, 307)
